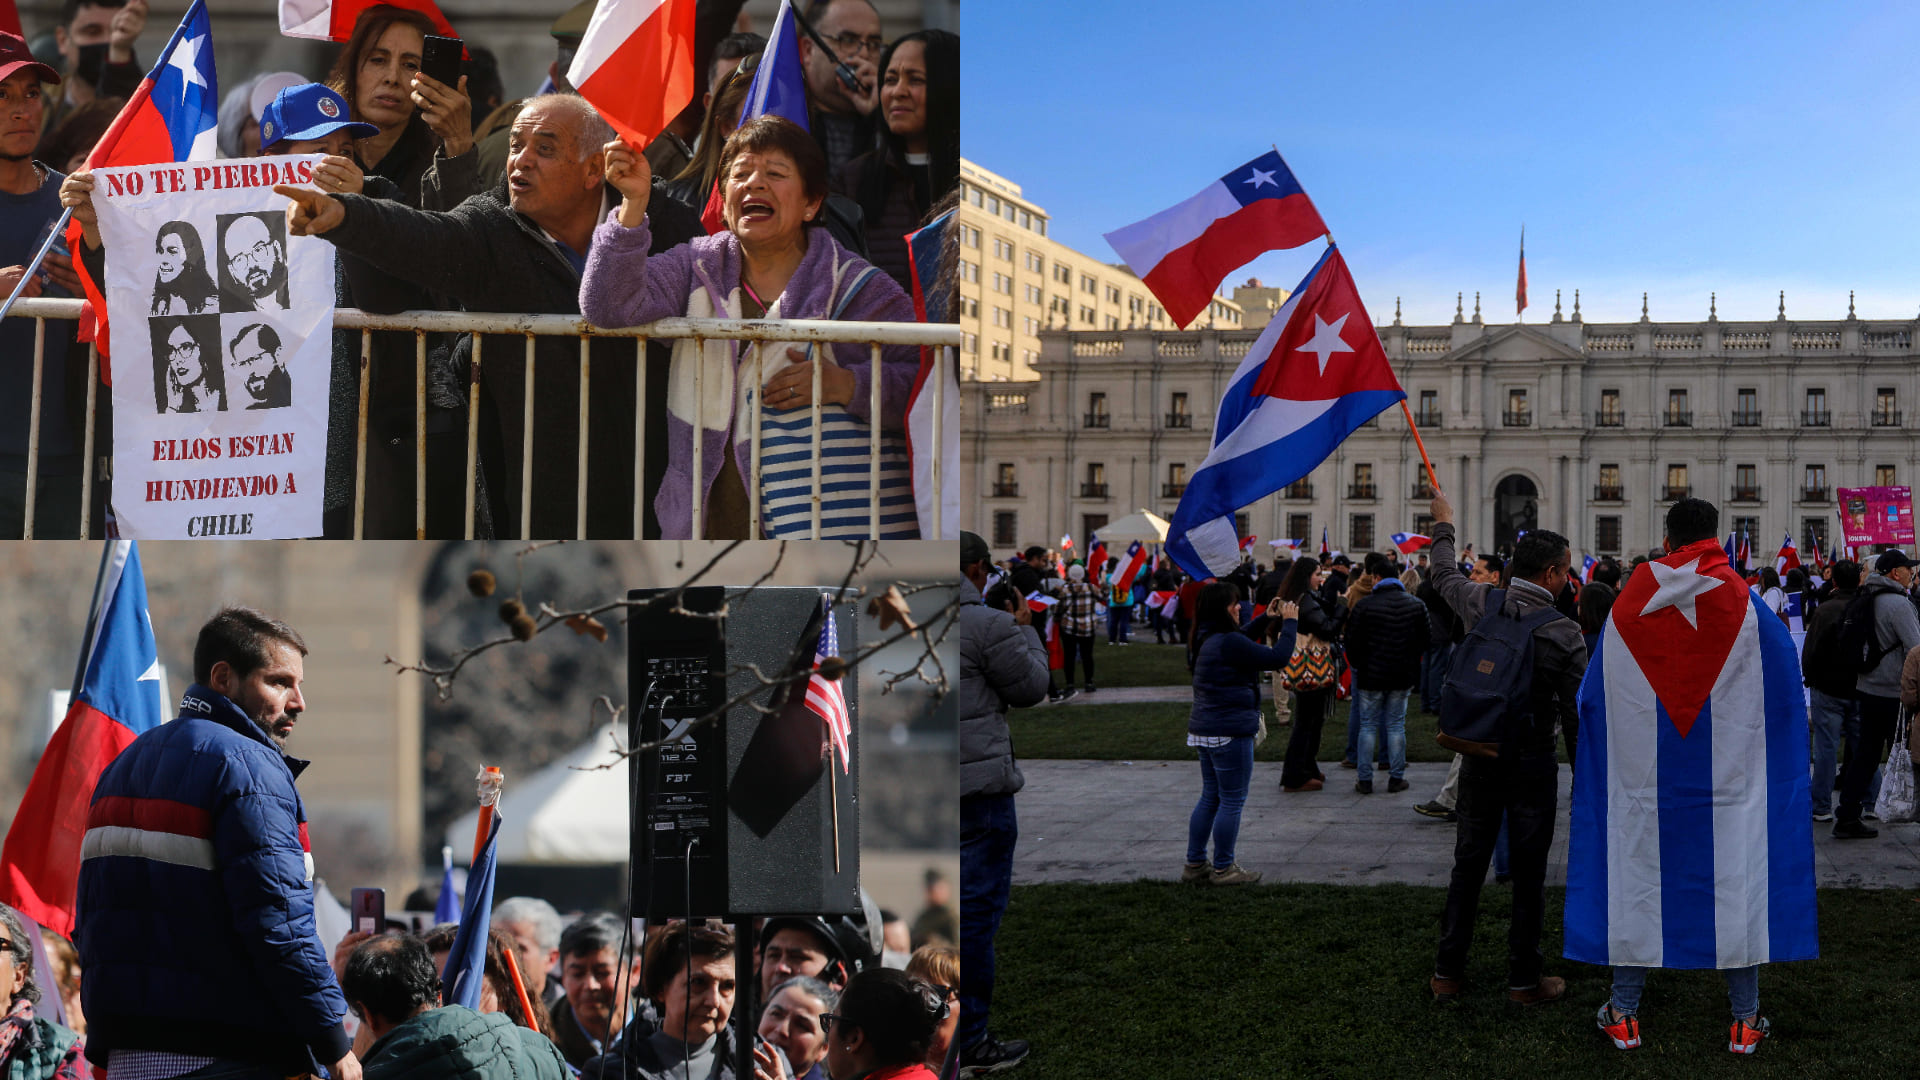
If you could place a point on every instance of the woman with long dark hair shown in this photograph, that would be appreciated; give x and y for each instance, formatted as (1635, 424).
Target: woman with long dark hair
(423, 124)
(1322, 625)
(920, 160)
(181, 285)
(1226, 664)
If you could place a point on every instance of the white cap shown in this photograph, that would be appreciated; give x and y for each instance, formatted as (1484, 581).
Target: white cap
(268, 87)
(1076, 572)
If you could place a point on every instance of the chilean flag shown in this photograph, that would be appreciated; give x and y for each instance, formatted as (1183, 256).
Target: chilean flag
(1096, 557)
(1246, 542)
(635, 65)
(1691, 843)
(171, 116)
(1130, 564)
(933, 405)
(1744, 556)
(778, 88)
(1323, 540)
(1586, 568)
(1315, 374)
(1184, 252)
(1056, 652)
(115, 702)
(1408, 543)
(334, 20)
(1040, 601)
(1788, 559)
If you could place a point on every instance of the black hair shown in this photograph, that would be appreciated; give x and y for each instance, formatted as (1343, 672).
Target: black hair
(1596, 601)
(240, 636)
(1769, 578)
(898, 1014)
(940, 52)
(592, 932)
(1692, 520)
(1035, 552)
(269, 338)
(1537, 552)
(1796, 580)
(1606, 572)
(672, 950)
(1299, 580)
(71, 8)
(391, 977)
(1377, 564)
(1495, 564)
(1217, 602)
(1002, 597)
(1846, 574)
(735, 46)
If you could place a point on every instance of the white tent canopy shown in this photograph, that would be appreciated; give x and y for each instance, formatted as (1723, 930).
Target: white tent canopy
(1145, 527)
(562, 815)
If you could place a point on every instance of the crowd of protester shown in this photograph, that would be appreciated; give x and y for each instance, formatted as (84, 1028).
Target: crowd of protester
(530, 205)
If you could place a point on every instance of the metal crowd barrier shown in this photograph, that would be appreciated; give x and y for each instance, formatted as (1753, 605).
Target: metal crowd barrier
(944, 338)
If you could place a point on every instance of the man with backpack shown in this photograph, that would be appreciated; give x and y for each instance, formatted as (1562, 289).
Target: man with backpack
(1515, 675)
(1877, 630)
(1831, 708)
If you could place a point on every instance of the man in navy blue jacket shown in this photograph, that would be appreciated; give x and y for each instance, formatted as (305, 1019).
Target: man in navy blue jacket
(196, 882)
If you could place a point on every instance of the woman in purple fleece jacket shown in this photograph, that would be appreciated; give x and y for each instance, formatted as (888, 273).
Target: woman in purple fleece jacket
(767, 264)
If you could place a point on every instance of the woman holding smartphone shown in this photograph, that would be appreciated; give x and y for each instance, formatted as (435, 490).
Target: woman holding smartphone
(424, 141)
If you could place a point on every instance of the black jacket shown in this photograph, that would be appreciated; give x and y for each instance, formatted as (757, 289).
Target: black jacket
(1824, 623)
(1386, 634)
(489, 258)
(1321, 619)
(1335, 587)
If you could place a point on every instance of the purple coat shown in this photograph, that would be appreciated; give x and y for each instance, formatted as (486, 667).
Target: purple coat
(622, 287)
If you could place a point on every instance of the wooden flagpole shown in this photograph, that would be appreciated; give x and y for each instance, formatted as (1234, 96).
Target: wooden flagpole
(1432, 480)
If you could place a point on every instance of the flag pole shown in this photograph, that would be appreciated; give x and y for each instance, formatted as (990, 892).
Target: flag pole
(59, 229)
(1422, 445)
(833, 795)
(490, 781)
(519, 987)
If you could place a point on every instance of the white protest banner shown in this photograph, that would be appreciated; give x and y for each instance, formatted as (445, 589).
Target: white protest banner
(222, 345)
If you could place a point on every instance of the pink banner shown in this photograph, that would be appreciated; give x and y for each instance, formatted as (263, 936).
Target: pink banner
(1877, 515)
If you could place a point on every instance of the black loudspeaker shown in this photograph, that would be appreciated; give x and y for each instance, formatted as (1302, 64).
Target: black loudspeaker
(740, 815)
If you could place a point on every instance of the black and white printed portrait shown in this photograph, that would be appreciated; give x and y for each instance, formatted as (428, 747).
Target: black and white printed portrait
(181, 283)
(187, 374)
(256, 370)
(253, 262)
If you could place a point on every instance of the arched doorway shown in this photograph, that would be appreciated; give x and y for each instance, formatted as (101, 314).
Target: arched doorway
(1516, 510)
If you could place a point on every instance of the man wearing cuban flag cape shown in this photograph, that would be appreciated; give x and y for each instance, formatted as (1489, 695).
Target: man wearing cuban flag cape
(1691, 842)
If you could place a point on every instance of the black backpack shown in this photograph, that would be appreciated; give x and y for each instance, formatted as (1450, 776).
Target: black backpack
(1855, 648)
(1488, 697)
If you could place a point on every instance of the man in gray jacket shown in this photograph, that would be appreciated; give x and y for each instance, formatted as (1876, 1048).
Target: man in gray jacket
(1896, 629)
(1002, 663)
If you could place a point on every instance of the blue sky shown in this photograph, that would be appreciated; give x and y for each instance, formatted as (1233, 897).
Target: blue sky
(1672, 149)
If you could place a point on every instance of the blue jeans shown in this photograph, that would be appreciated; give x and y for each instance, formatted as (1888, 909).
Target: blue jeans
(1381, 710)
(1743, 989)
(1828, 717)
(1119, 624)
(1433, 675)
(1502, 867)
(1353, 729)
(1225, 775)
(988, 829)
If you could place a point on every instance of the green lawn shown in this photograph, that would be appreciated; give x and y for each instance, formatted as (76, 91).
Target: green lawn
(1115, 982)
(1140, 664)
(1157, 731)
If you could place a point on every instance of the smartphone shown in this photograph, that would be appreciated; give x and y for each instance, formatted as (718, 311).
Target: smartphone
(440, 59)
(91, 63)
(370, 910)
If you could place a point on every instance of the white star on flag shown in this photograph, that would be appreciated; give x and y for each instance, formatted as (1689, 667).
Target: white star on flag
(1326, 340)
(187, 58)
(1259, 178)
(1679, 587)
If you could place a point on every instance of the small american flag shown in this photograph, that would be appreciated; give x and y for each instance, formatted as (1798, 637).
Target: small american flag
(824, 696)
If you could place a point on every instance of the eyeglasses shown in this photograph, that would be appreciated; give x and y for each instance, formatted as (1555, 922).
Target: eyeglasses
(827, 1020)
(259, 253)
(179, 352)
(852, 44)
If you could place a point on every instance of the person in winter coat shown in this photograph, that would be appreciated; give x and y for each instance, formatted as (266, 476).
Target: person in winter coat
(768, 263)
(1002, 664)
(31, 1047)
(1226, 665)
(690, 977)
(391, 984)
(198, 941)
(1386, 635)
(522, 247)
(1321, 621)
(919, 159)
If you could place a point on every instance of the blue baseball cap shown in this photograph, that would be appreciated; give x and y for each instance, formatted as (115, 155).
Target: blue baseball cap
(307, 111)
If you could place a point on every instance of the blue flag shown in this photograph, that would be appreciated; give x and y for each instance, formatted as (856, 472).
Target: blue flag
(467, 962)
(447, 908)
(778, 86)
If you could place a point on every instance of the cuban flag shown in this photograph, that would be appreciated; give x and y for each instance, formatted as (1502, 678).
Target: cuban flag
(1731, 546)
(1315, 374)
(825, 698)
(116, 700)
(933, 405)
(1184, 252)
(1691, 843)
(1408, 543)
(1130, 565)
(171, 116)
(1788, 559)
(635, 65)
(465, 974)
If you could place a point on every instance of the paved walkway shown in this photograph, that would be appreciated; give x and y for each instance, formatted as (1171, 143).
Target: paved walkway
(1119, 821)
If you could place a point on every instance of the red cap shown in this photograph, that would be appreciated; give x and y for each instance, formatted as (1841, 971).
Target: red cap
(15, 55)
